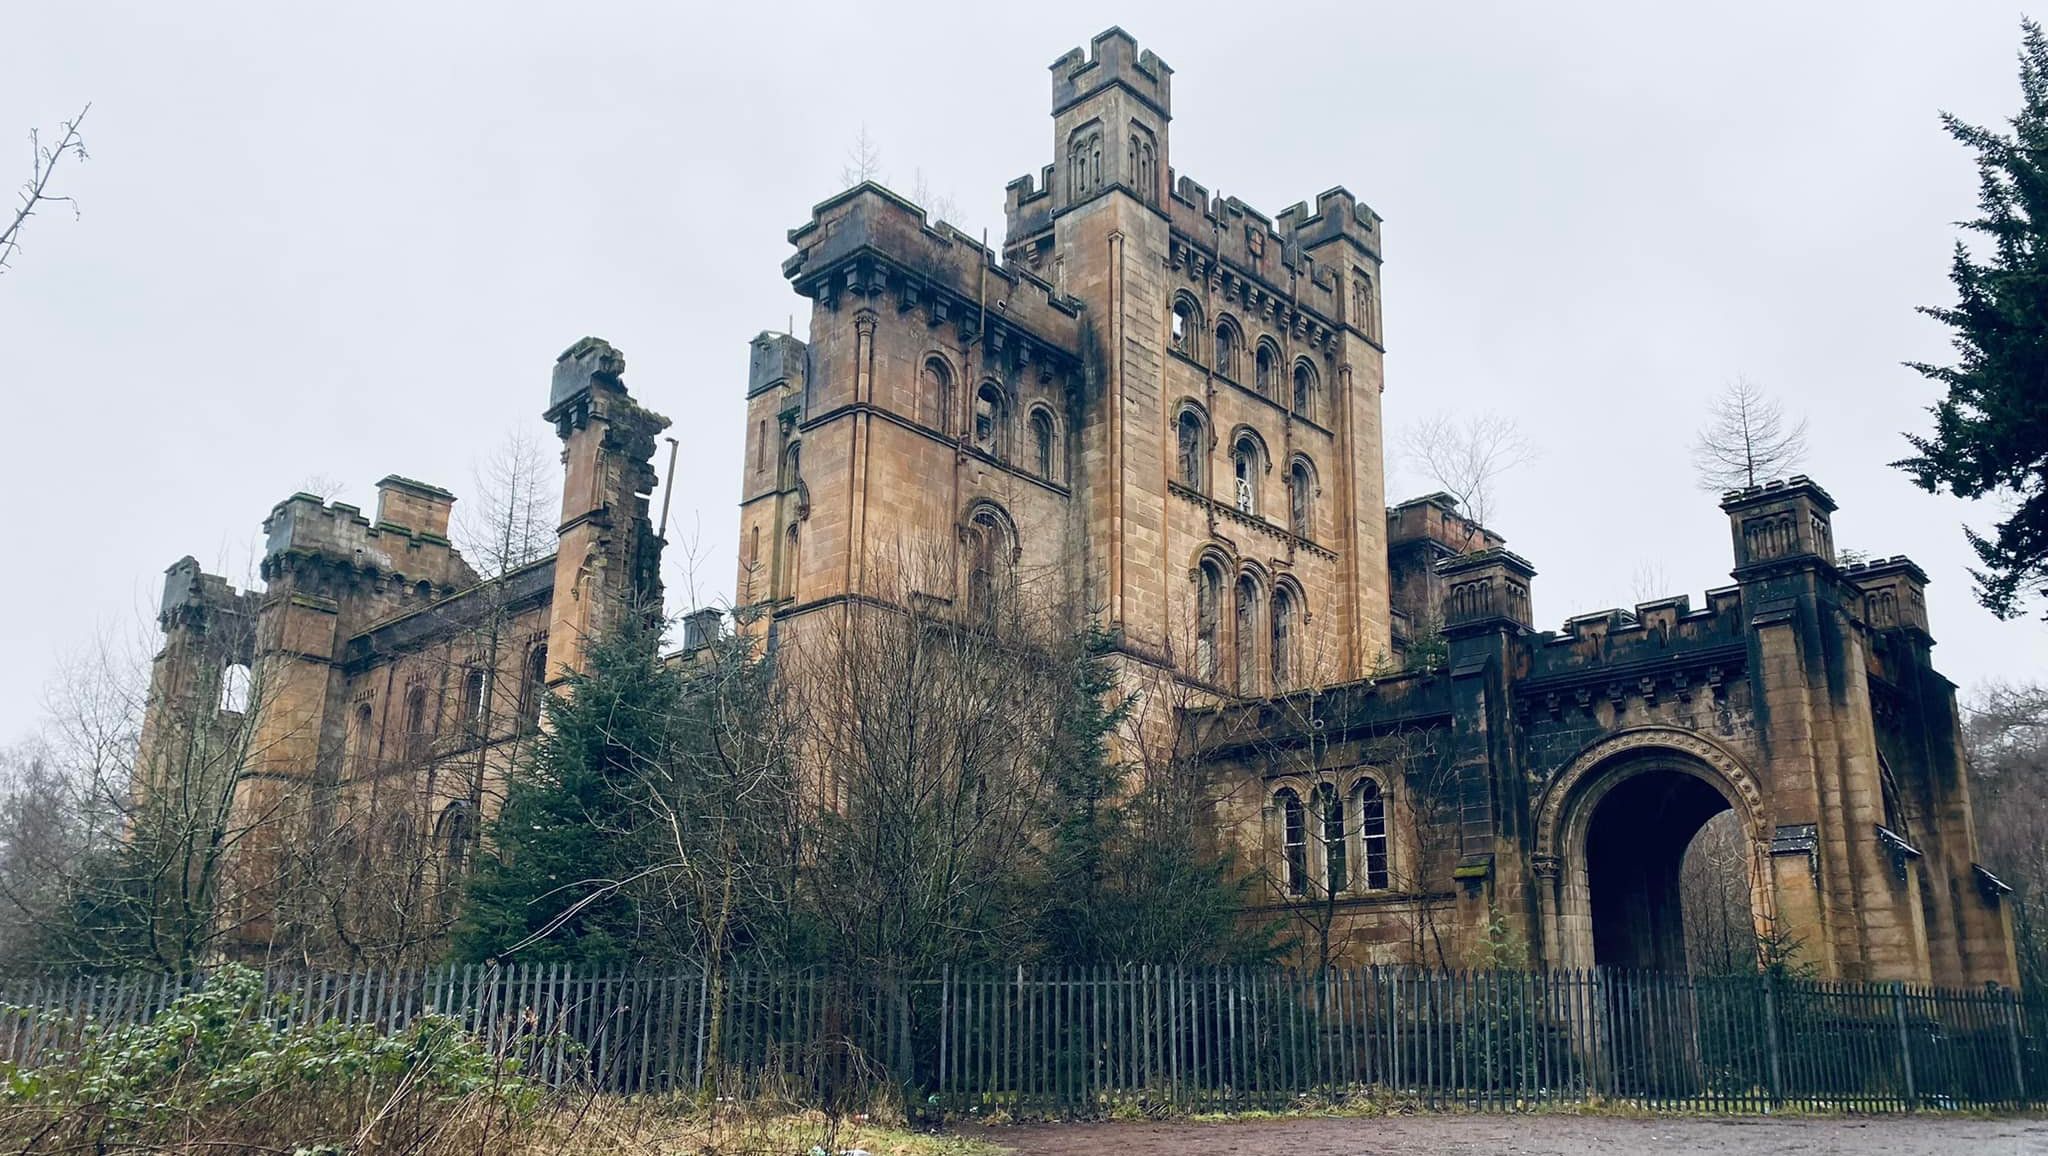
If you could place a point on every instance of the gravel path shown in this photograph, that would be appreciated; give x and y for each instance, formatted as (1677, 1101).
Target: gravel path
(1533, 1136)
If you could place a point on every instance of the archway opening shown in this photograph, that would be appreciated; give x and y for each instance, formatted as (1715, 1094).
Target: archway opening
(1637, 846)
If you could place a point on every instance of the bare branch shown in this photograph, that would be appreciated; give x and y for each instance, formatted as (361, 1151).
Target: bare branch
(36, 191)
(1747, 440)
(1467, 457)
(863, 160)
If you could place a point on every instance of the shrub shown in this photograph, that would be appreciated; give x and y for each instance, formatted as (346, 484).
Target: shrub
(223, 1066)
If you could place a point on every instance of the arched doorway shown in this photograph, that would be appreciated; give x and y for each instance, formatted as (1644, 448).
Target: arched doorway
(1636, 844)
(1613, 833)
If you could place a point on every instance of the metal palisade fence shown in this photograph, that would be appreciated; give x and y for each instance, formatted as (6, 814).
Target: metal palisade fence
(1080, 1040)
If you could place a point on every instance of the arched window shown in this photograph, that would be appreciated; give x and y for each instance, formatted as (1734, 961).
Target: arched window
(1186, 323)
(416, 719)
(988, 419)
(1246, 462)
(234, 688)
(1084, 161)
(990, 551)
(1144, 169)
(1267, 369)
(935, 394)
(475, 680)
(454, 831)
(786, 588)
(1305, 390)
(1247, 636)
(1045, 445)
(792, 465)
(1300, 490)
(1226, 349)
(1293, 839)
(1330, 808)
(1362, 304)
(1372, 833)
(1283, 639)
(1191, 439)
(362, 738)
(533, 689)
(1208, 615)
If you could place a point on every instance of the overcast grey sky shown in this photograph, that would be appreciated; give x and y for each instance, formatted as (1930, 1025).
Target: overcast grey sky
(348, 240)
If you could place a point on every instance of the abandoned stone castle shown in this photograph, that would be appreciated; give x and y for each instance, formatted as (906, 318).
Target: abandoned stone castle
(1167, 405)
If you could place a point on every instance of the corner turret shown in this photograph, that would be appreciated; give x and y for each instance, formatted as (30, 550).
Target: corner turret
(1786, 519)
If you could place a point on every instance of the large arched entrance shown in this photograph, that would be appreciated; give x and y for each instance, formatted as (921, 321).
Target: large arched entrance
(1636, 844)
(1613, 833)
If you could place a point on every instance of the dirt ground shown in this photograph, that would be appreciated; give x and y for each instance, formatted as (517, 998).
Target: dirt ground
(1533, 1136)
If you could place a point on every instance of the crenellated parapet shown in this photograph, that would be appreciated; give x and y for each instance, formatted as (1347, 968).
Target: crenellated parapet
(1338, 216)
(1027, 208)
(333, 544)
(872, 247)
(1659, 653)
(1112, 60)
(1258, 268)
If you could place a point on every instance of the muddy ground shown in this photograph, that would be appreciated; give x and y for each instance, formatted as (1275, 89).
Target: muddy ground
(1533, 1136)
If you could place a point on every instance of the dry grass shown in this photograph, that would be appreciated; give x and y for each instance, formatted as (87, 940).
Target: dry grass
(665, 1128)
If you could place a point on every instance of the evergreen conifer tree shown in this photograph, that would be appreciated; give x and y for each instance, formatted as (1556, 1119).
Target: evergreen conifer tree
(1990, 434)
(555, 879)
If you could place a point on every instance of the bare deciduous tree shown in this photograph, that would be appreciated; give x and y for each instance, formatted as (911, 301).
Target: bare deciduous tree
(35, 192)
(863, 160)
(513, 516)
(1467, 456)
(941, 206)
(929, 782)
(1747, 439)
(2005, 731)
(1714, 900)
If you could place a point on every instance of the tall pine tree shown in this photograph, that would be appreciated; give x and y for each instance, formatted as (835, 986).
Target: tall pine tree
(556, 880)
(1990, 434)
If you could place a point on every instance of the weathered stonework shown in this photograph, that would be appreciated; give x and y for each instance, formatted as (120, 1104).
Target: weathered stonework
(1166, 406)
(1163, 408)
(379, 684)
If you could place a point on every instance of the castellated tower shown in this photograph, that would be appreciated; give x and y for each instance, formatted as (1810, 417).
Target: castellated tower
(1164, 407)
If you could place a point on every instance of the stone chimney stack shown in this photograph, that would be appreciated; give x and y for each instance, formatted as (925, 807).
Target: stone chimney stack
(415, 506)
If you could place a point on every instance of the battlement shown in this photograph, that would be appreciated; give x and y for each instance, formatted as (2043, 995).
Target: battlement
(1778, 489)
(1655, 631)
(868, 242)
(1257, 256)
(1876, 568)
(1027, 206)
(1112, 59)
(1338, 215)
(303, 526)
